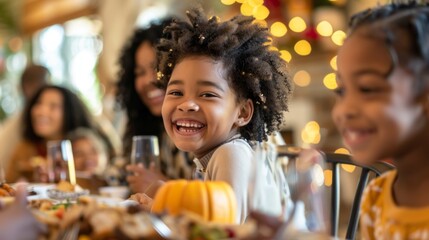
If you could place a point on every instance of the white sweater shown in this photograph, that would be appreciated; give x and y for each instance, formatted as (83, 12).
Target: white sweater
(234, 163)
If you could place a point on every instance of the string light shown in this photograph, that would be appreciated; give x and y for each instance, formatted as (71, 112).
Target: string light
(333, 63)
(255, 3)
(342, 151)
(330, 81)
(328, 177)
(302, 78)
(274, 49)
(278, 29)
(285, 55)
(311, 133)
(302, 48)
(324, 28)
(227, 2)
(246, 9)
(297, 24)
(261, 12)
(338, 37)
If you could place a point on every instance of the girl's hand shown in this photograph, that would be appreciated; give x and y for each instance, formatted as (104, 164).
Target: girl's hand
(16, 220)
(144, 180)
(144, 200)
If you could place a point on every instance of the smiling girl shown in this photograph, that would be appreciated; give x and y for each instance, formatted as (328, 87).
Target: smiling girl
(382, 112)
(225, 89)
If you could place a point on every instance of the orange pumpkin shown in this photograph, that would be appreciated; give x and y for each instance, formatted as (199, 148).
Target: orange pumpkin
(212, 200)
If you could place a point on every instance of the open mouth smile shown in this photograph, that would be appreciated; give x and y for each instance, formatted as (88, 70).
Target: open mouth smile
(188, 127)
(355, 138)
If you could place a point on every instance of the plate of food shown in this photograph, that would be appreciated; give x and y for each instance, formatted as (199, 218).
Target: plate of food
(66, 191)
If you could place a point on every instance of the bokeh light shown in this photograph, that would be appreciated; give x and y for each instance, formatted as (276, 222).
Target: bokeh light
(342, 150)
(297, 24)
(346, 167)
(286, 55)
(246, 9)
(278, 29)
(330, 81)
(333, 63)
(324, 28)
(274, 49)
(311, 133)
(261, 12)
(302, 48)
(227, 2)
(338, 37)
(328, 177)
(255, 3)
(302, 78)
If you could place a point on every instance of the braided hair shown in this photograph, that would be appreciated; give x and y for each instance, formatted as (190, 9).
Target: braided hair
(404, 28)
(253, 70)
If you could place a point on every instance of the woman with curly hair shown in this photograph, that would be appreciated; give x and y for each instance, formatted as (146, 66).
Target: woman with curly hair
(225, 90)
(142, 100)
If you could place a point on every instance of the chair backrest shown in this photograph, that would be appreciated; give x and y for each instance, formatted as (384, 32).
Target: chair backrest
(336, 160)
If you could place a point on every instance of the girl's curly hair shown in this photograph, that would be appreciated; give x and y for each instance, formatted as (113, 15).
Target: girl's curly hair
(404, 27)
(140, 120)
(253, 70)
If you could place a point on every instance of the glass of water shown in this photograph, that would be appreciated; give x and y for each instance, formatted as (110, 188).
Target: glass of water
(145, 150)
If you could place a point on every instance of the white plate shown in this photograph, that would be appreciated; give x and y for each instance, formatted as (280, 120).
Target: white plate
(61, 195)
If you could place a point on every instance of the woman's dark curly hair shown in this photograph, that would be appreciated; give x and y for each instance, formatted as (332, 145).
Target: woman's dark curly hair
(404, 27)
(140, 120)
(252, 69)
(75, 115)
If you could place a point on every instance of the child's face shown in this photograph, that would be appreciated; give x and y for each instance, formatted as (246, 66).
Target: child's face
(85, 155)
(377, 115)
(145, 72)
(200, 109)
(47, 115)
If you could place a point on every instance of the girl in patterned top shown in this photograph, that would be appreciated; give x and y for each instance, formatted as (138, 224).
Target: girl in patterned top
(382, 111)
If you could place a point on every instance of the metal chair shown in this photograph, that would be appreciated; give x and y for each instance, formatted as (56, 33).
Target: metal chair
(336, 160)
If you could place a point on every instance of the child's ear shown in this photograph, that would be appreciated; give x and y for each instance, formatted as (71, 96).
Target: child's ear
(245, 114)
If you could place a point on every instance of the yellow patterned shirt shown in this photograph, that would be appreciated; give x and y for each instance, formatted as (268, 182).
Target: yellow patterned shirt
(382, 219)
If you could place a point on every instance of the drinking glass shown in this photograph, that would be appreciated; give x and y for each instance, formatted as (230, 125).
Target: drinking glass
(145, 150)
(305, 209)
(264, 187)
(61, 162)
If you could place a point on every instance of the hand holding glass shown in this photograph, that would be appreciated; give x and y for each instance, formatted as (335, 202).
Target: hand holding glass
(303, 170)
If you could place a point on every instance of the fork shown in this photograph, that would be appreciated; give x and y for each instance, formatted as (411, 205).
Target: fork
(70, 233)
